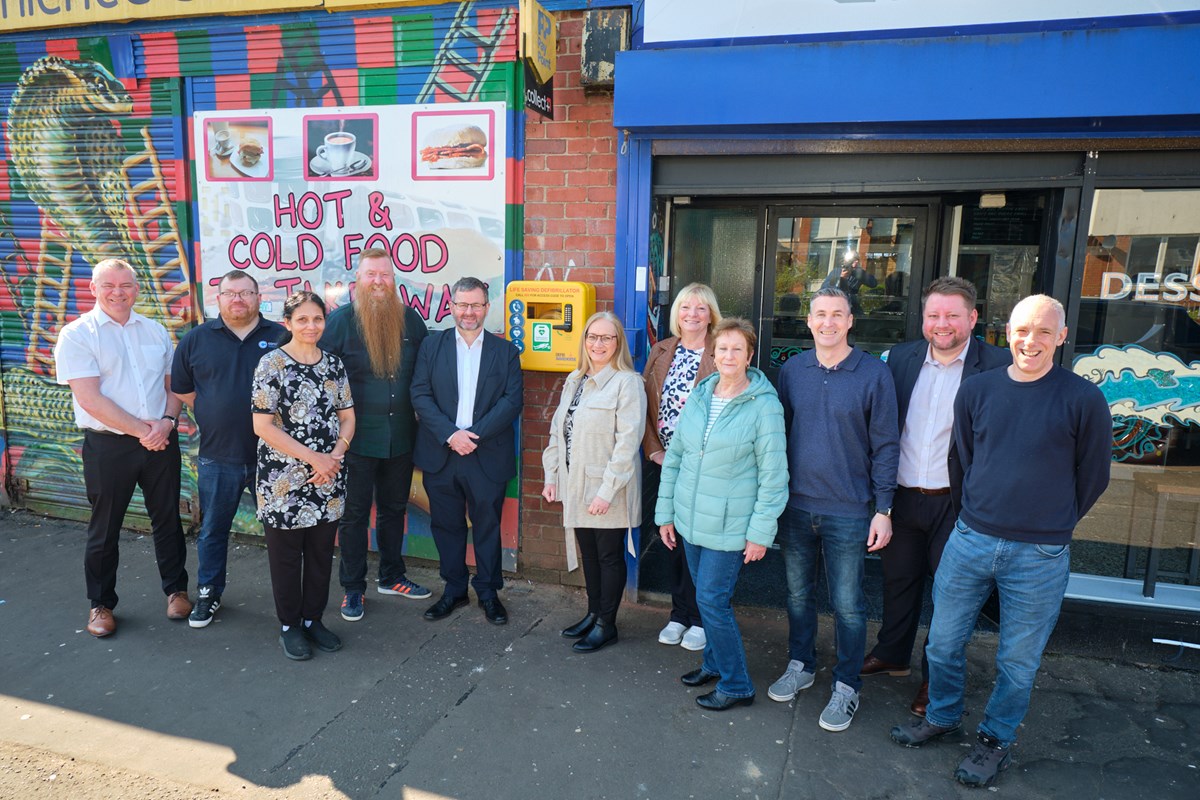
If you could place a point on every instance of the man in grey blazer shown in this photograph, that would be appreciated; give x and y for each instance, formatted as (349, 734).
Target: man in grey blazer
(927, 373)
(467, 390)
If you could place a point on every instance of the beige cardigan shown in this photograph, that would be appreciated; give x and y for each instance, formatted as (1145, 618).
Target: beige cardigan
(607, 431)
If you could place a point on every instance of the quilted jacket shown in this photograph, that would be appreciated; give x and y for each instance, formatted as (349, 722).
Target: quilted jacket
(732, 488)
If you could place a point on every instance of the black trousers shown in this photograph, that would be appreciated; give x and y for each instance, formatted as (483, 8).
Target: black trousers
(602, 555)
(683, 591)
(387, 482)
(458, 489)
(921, 524)
(113, 466)
(301, 563)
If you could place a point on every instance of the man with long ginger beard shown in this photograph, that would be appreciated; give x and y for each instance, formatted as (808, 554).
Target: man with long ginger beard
(377, 338)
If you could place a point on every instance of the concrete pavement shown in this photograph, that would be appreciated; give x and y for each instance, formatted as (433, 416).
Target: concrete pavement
(463, 709)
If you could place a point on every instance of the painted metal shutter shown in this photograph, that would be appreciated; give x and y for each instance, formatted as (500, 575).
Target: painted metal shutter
(92, 166)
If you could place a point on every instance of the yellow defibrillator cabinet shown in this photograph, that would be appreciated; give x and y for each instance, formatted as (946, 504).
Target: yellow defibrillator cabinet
(545, 322)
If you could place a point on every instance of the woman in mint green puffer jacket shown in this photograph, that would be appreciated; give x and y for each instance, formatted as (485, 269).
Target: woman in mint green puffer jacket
(724, 485)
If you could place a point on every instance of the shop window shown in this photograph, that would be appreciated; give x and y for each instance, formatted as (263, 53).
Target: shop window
(716, 246)
(870, 258)
(1138, 339)
(995, 244)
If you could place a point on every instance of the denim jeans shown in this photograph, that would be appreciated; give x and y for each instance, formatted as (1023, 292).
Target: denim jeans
(715, 573)
(843, 542)
(1031, 580)
(387, 482)
(219, 486)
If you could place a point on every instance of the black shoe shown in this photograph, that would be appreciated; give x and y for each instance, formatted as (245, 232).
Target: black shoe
(697, 677)
(445, 606)
(581, 628)
(207, 603)
(715, 701)
(494, 610)
(294, 645)
(326, 640)
(601, 635)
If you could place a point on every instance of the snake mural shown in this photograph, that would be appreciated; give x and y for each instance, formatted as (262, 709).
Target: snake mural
(87, 184)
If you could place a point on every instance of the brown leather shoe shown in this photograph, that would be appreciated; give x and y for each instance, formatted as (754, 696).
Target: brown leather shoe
(178, 606)
(873, 666)
(921, 701)
(101, 622)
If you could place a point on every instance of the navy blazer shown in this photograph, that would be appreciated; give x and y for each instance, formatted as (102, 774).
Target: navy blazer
(905, 363)
(499, 396)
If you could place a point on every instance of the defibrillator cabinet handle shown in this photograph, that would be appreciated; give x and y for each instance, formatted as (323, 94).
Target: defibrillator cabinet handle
(568, 313)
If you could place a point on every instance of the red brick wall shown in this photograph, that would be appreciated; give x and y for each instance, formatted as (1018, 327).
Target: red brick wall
(570, 227)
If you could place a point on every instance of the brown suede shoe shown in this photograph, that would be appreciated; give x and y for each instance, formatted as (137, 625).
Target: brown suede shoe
(178, 606)
(873, 666)
(101, 622)
(921, 701)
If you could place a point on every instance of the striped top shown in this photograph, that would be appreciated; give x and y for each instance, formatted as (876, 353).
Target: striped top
(715, 407)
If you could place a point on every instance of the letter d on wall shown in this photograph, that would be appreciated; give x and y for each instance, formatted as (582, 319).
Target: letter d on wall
(1107, 293)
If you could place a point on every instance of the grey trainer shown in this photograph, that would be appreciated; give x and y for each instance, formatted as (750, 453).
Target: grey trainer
(839, 713)
(791, 682)
(920, 731)
(986, 760)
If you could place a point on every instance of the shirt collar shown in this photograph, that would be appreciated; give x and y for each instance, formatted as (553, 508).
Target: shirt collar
(105, 319)
(809, 359)
(960, 358)
(458, 337)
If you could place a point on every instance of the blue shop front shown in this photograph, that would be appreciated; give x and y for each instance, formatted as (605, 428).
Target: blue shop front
(763, 143)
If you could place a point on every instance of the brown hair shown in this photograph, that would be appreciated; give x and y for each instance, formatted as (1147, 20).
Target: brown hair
(738, 325)
(951, 285)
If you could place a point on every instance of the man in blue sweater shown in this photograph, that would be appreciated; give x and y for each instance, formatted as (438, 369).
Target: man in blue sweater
(1035, 444)
(839, 405)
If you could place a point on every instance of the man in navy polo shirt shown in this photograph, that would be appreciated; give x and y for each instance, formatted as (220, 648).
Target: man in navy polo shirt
(839, 405)
(213, 368)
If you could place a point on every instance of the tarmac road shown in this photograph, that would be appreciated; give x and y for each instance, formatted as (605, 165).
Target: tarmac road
(462, 709)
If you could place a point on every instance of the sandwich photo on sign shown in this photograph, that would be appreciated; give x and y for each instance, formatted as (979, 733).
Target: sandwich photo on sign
(452, 146)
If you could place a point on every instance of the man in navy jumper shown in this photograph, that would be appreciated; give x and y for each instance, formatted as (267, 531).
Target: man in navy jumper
(1035, 444)
(839, 404)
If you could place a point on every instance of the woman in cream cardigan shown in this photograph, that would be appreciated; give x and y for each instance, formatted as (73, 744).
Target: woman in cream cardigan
(592, 467)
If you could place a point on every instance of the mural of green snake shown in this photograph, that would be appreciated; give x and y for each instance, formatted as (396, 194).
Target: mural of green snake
(66, 146)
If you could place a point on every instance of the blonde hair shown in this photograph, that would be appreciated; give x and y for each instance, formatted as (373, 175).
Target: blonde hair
(702, 292)
(621, 360)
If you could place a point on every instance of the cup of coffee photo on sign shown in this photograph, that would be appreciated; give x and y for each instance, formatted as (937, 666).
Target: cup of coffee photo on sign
(340, 148)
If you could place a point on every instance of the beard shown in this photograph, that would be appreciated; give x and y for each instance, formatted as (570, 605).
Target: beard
(381, 325)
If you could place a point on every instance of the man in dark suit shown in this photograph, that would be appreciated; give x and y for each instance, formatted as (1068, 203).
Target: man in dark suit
(927, 373)
(467, 391)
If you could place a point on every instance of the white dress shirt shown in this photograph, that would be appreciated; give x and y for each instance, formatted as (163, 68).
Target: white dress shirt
(132, 362)
(468, 377)
(925, 442)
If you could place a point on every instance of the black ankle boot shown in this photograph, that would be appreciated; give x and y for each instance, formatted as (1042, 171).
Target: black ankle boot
(581, 628)
(602, 634)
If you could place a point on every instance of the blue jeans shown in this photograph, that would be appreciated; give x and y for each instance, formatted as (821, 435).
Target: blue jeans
(219, 486)
(1031, 580)
(715, 573)
(802, 538)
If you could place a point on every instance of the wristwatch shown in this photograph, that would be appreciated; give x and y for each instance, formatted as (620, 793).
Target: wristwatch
(887, 512)
(174, 421)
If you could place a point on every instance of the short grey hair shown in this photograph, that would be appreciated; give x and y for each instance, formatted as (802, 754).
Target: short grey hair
(468, 284)
(1035, 301)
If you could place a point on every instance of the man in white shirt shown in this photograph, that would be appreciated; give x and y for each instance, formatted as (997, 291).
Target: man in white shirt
(118, 365)
(466, 447)
(927, 373)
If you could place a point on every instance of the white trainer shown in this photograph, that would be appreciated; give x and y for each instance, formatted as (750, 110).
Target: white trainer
(672, 634)
(694, 639)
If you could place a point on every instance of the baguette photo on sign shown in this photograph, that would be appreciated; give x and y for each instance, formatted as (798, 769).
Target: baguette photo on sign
(456, 147)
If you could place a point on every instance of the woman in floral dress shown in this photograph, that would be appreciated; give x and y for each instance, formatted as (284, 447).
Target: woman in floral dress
(304, 419)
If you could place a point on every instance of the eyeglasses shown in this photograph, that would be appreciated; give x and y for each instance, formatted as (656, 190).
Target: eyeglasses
(470, 306)
(238, 295)
(600, 338)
